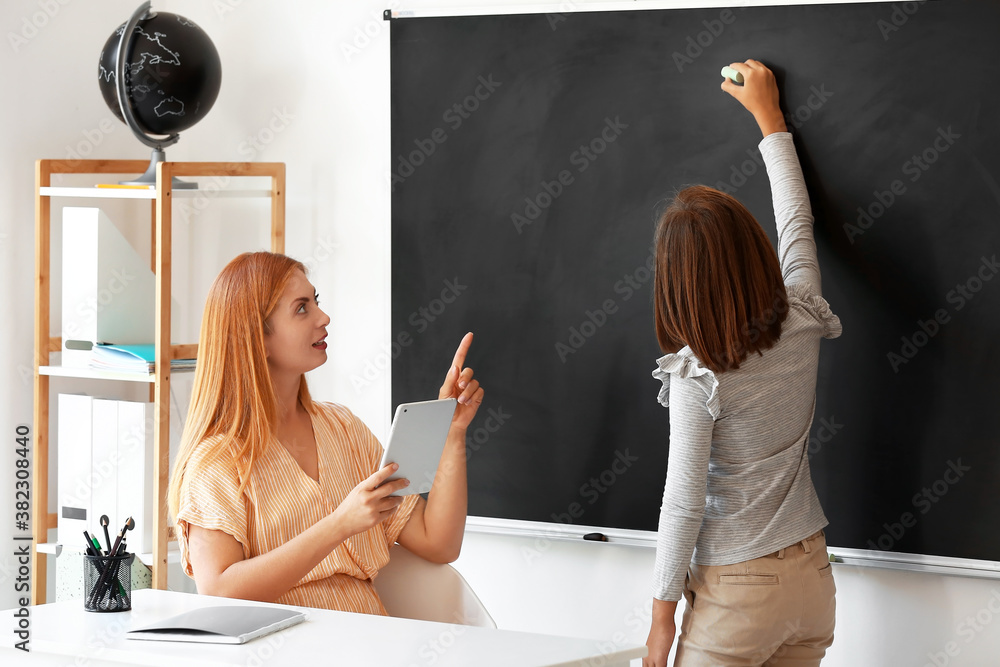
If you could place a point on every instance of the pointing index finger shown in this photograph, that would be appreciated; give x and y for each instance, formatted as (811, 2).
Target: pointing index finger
(463, 349)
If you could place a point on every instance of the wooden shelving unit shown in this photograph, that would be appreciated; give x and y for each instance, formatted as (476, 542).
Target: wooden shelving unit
(161, 200)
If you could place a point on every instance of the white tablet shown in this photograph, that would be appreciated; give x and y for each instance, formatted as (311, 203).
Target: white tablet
(416, 440)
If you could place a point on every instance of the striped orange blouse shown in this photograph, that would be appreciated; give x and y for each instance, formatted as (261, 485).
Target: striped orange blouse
(281, 500)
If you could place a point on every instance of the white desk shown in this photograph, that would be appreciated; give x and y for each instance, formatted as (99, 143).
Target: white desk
(62, 632)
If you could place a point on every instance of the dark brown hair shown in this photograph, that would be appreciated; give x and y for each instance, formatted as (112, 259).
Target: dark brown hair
(718, 286)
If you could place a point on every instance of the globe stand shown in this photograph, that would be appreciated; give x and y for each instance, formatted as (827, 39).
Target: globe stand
(128, 114)
(149, 177)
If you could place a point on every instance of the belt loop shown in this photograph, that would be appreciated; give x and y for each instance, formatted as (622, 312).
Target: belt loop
(805, 546)
(781, 553)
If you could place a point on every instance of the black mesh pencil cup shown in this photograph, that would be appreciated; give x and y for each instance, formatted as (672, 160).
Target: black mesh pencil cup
(107, 582)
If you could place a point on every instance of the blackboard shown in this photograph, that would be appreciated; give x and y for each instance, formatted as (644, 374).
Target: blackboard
(530, 156)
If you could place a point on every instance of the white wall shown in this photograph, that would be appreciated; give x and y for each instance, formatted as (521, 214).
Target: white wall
(310, 84)
(885, 618)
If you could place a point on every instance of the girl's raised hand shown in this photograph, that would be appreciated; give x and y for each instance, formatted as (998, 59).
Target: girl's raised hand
(758, 94)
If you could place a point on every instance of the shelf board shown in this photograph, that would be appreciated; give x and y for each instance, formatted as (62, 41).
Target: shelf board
(51, 548)
(93, 374)
(56, 549)
(173, 556)
(135, 193)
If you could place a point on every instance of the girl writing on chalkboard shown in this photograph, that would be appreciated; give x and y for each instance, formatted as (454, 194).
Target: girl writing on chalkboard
(741, 529)
(277, 497)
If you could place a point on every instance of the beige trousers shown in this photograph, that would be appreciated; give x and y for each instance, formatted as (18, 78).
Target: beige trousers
(777, 610)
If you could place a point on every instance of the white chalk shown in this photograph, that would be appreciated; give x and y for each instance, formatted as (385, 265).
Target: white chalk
(732, 74)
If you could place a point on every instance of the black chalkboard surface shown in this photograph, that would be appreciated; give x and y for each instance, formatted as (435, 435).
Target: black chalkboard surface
(530, 156)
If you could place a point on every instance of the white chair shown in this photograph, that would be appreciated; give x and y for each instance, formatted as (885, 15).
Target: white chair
(411, 587)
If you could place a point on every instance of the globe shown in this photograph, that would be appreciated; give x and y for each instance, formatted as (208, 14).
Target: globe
(172, 73)
(162, 80)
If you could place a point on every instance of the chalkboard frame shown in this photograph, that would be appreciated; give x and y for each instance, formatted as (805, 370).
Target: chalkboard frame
(541, 530)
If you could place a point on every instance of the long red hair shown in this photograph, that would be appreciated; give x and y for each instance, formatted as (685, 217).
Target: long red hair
(233, 396)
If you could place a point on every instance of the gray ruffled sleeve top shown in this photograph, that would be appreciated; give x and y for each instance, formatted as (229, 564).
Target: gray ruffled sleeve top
(738, 485)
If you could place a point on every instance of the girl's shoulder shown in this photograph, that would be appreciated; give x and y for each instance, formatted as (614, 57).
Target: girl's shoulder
(685, 365)
(803, 298)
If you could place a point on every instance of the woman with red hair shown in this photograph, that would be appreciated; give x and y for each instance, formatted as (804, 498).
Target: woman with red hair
(277, 497)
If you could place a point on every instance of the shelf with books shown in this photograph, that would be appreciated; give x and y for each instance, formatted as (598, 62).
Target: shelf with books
(138, 367)
(224, 179)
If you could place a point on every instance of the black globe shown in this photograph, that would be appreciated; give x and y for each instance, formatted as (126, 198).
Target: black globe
(173, 73)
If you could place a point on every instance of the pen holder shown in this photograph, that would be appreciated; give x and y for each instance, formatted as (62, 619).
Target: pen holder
(107, 582)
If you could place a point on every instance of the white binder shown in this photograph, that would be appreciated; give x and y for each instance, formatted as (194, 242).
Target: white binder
(104, 469)
(75, 467)
(135, 473)
(108, 290)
